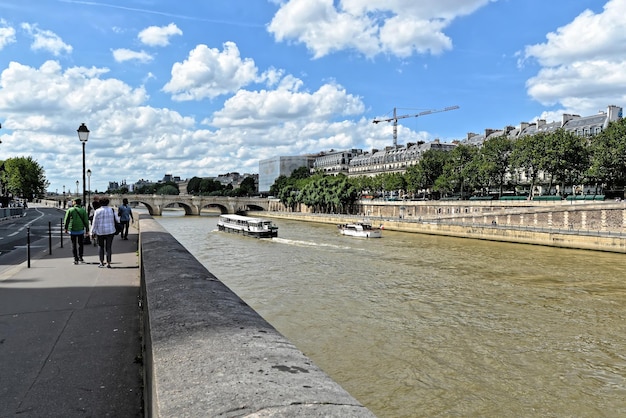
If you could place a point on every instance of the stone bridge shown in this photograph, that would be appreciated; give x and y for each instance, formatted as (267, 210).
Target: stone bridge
(193, 204)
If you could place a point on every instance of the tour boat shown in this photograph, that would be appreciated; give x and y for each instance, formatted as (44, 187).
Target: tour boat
(255, 227)
(360, 229)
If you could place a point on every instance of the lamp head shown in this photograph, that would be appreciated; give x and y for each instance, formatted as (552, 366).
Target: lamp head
(83, 132)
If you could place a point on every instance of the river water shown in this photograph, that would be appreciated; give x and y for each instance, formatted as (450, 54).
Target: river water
(424, 326)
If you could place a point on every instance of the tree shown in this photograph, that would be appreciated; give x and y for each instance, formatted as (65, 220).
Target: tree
(494, 161)
(529, 156)
(300, 173)
(167, 189)
(363, 184)
(423, 175)
(23, 177)
(567, 157)
(280, 182)
(193, 186)
(247, 187)
(209, 186)
(458, 171)
(608, 156)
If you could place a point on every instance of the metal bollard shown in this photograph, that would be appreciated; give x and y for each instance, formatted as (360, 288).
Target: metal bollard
(49, 237)
(28, 245)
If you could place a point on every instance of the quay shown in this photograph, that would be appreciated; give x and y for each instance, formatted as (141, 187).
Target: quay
(597, 226)
(157, 335)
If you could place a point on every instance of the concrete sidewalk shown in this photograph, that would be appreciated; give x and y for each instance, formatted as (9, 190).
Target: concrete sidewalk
(70, 335)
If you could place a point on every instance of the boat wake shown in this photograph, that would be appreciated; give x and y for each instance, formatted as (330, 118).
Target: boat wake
(308, 243)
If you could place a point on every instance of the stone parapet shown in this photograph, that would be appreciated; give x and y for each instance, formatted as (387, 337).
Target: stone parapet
(528, 231)
(208, 354)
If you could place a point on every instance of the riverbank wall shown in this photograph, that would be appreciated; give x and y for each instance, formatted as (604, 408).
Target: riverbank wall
(207, 353)
(598, 227)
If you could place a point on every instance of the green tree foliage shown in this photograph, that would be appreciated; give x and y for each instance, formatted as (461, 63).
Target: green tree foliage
(193, 186)
(23, 177)
(459, 171)
(608, 156)
(209, 186)
(567, 157)
(281, 182)
(392, 182)
(319, 192)
(247, 187)
(300, 173)
(494, 162)
(529, 156)
(421, 177)
(167, 189)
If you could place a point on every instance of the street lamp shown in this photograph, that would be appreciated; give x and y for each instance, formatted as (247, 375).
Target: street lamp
(64, 196)
(77, 183)
(88, 189)
(83, 135)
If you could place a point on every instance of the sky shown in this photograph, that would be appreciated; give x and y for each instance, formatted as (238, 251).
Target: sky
(202, 88)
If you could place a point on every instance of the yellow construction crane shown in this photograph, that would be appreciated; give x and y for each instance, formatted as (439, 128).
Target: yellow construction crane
(395, 119)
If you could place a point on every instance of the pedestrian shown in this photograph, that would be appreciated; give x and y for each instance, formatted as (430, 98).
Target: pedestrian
(94, 205)
(103, 226)
(77, 224)
(126, 215)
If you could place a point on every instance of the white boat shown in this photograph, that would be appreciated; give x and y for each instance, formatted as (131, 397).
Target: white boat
(255, 227)
(360, 229)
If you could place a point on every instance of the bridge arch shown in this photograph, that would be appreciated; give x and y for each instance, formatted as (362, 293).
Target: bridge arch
(193, 205)
(223, 209)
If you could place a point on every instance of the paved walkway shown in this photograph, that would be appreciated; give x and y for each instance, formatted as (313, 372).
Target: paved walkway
(69, 335)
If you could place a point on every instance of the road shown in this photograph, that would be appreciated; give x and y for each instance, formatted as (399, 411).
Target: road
(42, 223)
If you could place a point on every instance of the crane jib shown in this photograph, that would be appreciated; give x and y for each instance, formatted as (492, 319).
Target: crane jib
(395, 118)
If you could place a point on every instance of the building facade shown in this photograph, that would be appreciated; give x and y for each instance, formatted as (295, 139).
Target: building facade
(393, 159)
(334, 162)
(271, 168)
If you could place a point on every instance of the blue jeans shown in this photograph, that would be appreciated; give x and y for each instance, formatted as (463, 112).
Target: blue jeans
(124, 233)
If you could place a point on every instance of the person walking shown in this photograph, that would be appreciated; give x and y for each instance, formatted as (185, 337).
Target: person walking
(92, 209)
(126, 215)
(103, 226)
(77, 224)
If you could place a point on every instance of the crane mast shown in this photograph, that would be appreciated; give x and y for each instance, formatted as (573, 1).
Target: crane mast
(395, 118)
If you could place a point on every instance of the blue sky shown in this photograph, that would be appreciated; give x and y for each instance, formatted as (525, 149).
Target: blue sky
(201, 88)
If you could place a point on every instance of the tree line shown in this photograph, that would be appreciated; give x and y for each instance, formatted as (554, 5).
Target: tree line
(559, 160)
(22, 177)
(203, 186)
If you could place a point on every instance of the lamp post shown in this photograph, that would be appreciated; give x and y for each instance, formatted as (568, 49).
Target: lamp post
(77, 183)
(83, 135)
(88, 189)
(64, 196)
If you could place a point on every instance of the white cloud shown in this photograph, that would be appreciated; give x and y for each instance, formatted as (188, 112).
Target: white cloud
(123, 54)
(286, 104)
(7, 34)
(42, 108)
(159, 35)
(583, 63)
(46, 40)
(371, 27)
(208, 73)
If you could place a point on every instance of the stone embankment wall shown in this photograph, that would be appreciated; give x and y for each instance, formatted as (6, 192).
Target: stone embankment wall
(597, 216)
(592, 226)
(208, 354)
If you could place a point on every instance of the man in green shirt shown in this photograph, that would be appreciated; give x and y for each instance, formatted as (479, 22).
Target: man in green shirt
(76, 224)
